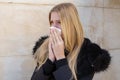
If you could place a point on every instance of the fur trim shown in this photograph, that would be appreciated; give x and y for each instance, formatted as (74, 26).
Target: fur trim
(39, 43)
(98, 58)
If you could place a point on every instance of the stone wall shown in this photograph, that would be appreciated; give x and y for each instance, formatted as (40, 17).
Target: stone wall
(24, 21)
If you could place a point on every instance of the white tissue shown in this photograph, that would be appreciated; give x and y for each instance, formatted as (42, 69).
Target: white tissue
(59, 30)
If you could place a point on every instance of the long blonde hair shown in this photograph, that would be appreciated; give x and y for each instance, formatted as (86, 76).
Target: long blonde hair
(72, 33)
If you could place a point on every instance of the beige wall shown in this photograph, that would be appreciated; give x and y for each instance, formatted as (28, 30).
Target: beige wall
(24, 21)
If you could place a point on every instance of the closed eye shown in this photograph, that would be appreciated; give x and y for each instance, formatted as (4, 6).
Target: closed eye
(59, 22)
(51, 22)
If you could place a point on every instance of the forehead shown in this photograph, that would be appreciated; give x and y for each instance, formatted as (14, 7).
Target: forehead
(55, 16)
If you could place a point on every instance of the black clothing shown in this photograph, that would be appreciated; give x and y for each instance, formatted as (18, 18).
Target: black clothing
(91, 59)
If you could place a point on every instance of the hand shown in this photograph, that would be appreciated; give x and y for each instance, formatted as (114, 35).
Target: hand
(57, 45)
(51, 54)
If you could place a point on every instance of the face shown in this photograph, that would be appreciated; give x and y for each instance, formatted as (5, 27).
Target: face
(55, 20)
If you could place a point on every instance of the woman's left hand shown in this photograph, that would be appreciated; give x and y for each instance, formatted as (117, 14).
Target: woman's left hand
(57, 45)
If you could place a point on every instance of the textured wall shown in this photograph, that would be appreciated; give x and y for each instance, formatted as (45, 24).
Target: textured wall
(24, 21)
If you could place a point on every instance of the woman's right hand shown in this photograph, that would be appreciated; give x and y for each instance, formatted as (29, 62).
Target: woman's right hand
(51, 53)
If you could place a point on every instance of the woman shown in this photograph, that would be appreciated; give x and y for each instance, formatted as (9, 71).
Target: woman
(67, 55)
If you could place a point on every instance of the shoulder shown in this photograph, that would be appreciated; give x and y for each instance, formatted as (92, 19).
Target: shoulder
(38, 43)
(97, 57)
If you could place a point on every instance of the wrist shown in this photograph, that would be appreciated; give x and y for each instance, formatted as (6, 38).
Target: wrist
(60, 57)
(48, 67)
(51, 59)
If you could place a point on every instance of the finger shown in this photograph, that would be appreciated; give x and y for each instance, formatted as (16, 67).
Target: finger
(50, 44)
(59, 36)
(56, 36)
(52, 38)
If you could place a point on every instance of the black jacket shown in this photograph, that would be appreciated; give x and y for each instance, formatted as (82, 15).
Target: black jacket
(91, 59)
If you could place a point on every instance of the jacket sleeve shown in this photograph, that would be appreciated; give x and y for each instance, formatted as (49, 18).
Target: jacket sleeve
(44, 72)
(38, 75)
(99, 58)
(63, 71)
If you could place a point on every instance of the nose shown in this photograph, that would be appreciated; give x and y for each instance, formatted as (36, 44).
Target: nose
(54, 24)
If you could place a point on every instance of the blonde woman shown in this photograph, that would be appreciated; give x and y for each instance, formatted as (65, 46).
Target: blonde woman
(66, 54)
